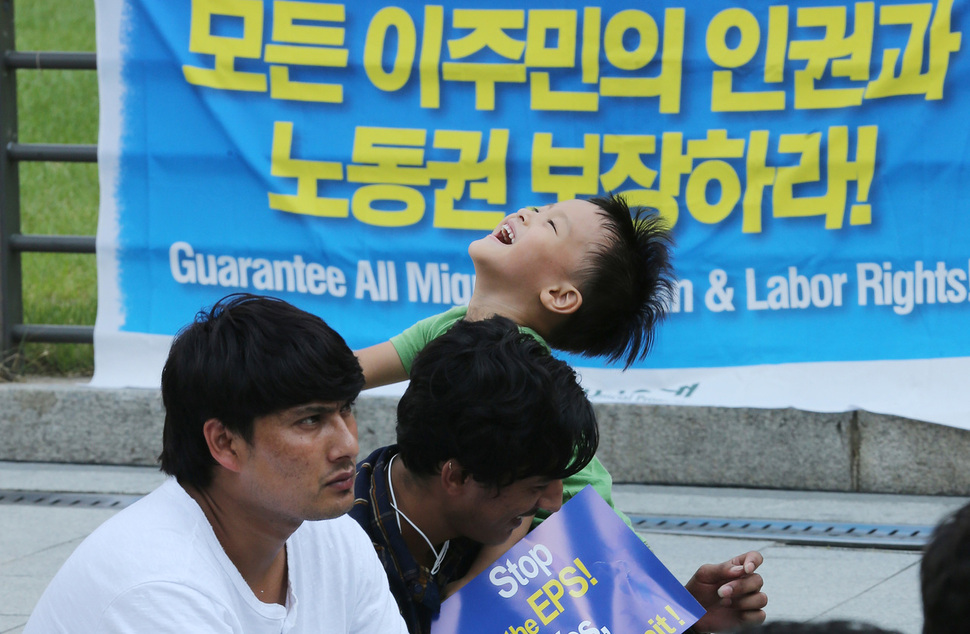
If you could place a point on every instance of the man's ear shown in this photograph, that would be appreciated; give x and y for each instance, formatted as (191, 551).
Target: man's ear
(453, 477)
(563, 299)
(223, 444)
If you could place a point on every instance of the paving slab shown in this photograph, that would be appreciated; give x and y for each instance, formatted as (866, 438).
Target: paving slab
(728, 502)
(22, 594)
(30, 530)
(41, 564)
(79, 478)
(12, 624)
(883, 605)
(810, 583)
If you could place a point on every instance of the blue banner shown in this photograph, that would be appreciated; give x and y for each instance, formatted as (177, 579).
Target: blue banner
(581, 571)
(809, 156)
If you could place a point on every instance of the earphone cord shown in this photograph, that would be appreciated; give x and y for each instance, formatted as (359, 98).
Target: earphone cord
(438, 557)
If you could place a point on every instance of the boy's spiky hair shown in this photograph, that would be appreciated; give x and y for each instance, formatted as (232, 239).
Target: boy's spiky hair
(627, 284)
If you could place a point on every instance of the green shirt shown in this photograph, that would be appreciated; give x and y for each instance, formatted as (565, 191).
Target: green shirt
(410, 342)
(413, 340)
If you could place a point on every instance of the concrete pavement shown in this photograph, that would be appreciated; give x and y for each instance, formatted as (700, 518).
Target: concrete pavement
(803, 582)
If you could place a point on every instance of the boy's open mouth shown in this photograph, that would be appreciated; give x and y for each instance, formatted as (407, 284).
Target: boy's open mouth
(505, 234)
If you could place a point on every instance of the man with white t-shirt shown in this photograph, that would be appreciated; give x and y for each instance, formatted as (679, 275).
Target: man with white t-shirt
(249, 534)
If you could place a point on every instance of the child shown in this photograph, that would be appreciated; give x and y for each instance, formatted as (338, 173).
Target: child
(585, 276)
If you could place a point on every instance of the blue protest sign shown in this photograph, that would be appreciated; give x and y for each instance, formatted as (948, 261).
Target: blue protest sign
(582, 571)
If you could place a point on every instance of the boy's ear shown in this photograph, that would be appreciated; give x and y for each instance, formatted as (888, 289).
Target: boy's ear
(223, 444)
(564, 299)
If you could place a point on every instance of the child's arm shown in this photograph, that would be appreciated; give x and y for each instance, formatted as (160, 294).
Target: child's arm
(487, 556)
(381, 365)
(390, 362)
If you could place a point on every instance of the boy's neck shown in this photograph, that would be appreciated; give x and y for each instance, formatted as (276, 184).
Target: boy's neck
(528, 312)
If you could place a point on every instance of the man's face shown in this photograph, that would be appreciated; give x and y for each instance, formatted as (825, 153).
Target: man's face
(301, 462)
(490, 518)
(538, 244)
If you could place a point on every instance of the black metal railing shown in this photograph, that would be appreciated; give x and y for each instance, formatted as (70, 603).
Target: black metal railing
(13, 243)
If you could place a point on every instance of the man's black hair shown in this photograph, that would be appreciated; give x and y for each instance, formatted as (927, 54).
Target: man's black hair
(945, 575)
(626, 284)
(246, 357)
(495, 400)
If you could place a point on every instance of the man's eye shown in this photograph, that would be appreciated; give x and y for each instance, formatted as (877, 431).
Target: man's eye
(535, 209)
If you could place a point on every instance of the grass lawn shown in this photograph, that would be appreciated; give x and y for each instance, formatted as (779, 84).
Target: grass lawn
(57, 198)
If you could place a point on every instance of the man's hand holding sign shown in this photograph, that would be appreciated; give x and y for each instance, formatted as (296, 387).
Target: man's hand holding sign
(583, 571)
(730, 592)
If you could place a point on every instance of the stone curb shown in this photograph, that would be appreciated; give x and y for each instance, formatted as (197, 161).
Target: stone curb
(63, 421)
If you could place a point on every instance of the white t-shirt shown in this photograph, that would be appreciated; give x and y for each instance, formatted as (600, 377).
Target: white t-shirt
(158, 567)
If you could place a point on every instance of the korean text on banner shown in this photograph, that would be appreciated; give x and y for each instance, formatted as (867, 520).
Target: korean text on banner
(811, 158)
